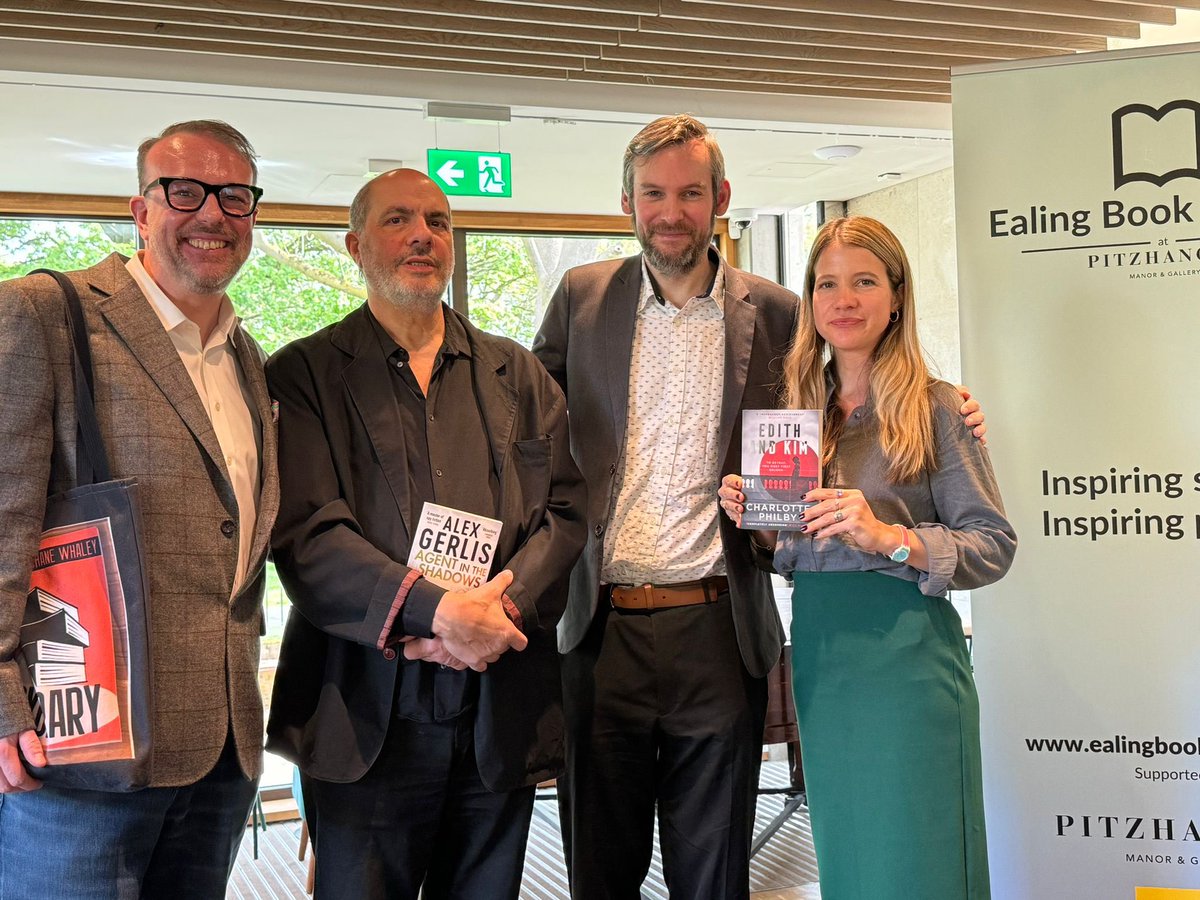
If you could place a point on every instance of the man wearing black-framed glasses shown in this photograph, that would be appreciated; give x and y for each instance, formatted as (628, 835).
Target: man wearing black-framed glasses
(197, 232)
(188, 195)
(183, 408)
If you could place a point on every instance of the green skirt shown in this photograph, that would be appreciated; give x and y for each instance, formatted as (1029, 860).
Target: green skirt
(889, 734)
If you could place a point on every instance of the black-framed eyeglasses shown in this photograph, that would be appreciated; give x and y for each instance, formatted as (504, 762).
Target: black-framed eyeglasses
(188, 195)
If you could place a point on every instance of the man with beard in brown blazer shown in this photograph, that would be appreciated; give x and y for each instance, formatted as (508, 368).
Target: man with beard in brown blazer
(183, 408)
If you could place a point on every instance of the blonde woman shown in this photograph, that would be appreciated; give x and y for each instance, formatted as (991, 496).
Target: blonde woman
(889, 717)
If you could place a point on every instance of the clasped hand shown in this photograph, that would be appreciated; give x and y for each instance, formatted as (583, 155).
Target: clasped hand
(471, 629)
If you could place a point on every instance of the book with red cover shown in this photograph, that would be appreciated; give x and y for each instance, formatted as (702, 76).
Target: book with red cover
(781, 462)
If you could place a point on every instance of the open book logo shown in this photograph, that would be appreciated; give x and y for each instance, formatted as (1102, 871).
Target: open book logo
(1156, 145)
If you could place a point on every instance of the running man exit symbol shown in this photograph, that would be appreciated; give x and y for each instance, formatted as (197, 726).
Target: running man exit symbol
(467, 173)
(490, 181)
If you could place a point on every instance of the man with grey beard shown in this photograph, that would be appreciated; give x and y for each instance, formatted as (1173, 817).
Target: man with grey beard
(421, 718)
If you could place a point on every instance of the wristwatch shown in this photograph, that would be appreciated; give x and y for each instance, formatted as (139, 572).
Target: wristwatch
(900, 554)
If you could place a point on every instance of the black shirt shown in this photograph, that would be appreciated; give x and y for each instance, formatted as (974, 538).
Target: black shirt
(449, 462)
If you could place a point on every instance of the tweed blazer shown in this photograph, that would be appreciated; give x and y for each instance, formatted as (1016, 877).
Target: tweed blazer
(586, 344)
(204, 645)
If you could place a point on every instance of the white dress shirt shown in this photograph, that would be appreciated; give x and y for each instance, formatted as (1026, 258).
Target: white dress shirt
(663, 527)
(219, 381)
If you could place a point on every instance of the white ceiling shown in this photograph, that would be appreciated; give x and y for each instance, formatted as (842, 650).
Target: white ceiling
(73, 119)
(78, 135)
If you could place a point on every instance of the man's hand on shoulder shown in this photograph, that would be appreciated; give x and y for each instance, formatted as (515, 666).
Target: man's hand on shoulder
(473, 626)
(972, 414)
(13, 777)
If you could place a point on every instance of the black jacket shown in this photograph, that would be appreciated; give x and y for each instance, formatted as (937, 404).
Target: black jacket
(344, 481)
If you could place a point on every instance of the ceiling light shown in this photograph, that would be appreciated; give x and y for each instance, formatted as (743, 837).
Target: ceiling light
(467, 112)
(837, 151)
(379, 166)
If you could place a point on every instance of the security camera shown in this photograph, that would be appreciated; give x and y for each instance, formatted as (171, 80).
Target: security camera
(739, 221)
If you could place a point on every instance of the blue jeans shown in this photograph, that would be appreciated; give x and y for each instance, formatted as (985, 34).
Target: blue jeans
(155, 843)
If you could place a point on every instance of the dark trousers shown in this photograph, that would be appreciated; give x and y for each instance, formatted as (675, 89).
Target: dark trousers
(419, 822)
(660, 710)
(177, 842)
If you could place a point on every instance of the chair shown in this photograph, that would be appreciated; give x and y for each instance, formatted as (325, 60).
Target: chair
(257, 820)
(782, 728)
(298, 795)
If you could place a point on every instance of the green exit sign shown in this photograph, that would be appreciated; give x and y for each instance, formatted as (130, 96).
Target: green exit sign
(466, 173)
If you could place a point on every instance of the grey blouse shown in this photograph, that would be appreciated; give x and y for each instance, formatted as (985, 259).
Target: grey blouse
(956, 510)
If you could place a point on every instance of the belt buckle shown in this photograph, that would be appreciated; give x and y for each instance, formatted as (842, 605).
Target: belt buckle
(611, 589)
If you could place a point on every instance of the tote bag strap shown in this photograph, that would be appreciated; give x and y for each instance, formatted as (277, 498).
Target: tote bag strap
(91, 459)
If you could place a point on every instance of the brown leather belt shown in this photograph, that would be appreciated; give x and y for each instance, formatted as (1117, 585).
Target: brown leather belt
(651, 597)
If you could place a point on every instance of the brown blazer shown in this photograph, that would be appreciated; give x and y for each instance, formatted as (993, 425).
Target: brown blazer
(204, 646)
(586, 342)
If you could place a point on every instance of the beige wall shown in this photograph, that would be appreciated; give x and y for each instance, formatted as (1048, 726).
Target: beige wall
(921, 213)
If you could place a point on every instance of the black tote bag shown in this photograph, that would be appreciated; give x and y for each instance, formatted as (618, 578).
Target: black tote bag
(85, 638)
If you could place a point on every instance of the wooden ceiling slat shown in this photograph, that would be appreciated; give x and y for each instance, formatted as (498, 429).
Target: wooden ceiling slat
(644, 59)
(685, 29)
(182, 35)
(746, 87)
(726, 12)
(318, 30)
(354, 11)
(638, 7)
(651, 44)
(1174, 7)
(1156, 14)
(871, 49)
(261, 51)
(387, 18)
(944, 14)
(830, 78)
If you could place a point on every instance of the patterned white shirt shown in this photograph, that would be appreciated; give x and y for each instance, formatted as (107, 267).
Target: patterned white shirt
(663, 527)
(219, 381)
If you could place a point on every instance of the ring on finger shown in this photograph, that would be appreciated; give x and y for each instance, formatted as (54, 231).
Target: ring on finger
(839, 493)
(837, 516)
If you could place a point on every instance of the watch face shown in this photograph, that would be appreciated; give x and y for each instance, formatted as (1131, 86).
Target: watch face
(900, 554)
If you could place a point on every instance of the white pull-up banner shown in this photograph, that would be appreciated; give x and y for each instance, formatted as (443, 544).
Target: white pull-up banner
(1077, 187)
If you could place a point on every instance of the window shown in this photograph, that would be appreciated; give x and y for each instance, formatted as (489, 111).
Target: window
(34, 243)
(800, 228)
(511, 277)
(295, 282)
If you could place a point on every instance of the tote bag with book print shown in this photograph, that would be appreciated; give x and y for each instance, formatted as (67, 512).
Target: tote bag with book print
(84, 642)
